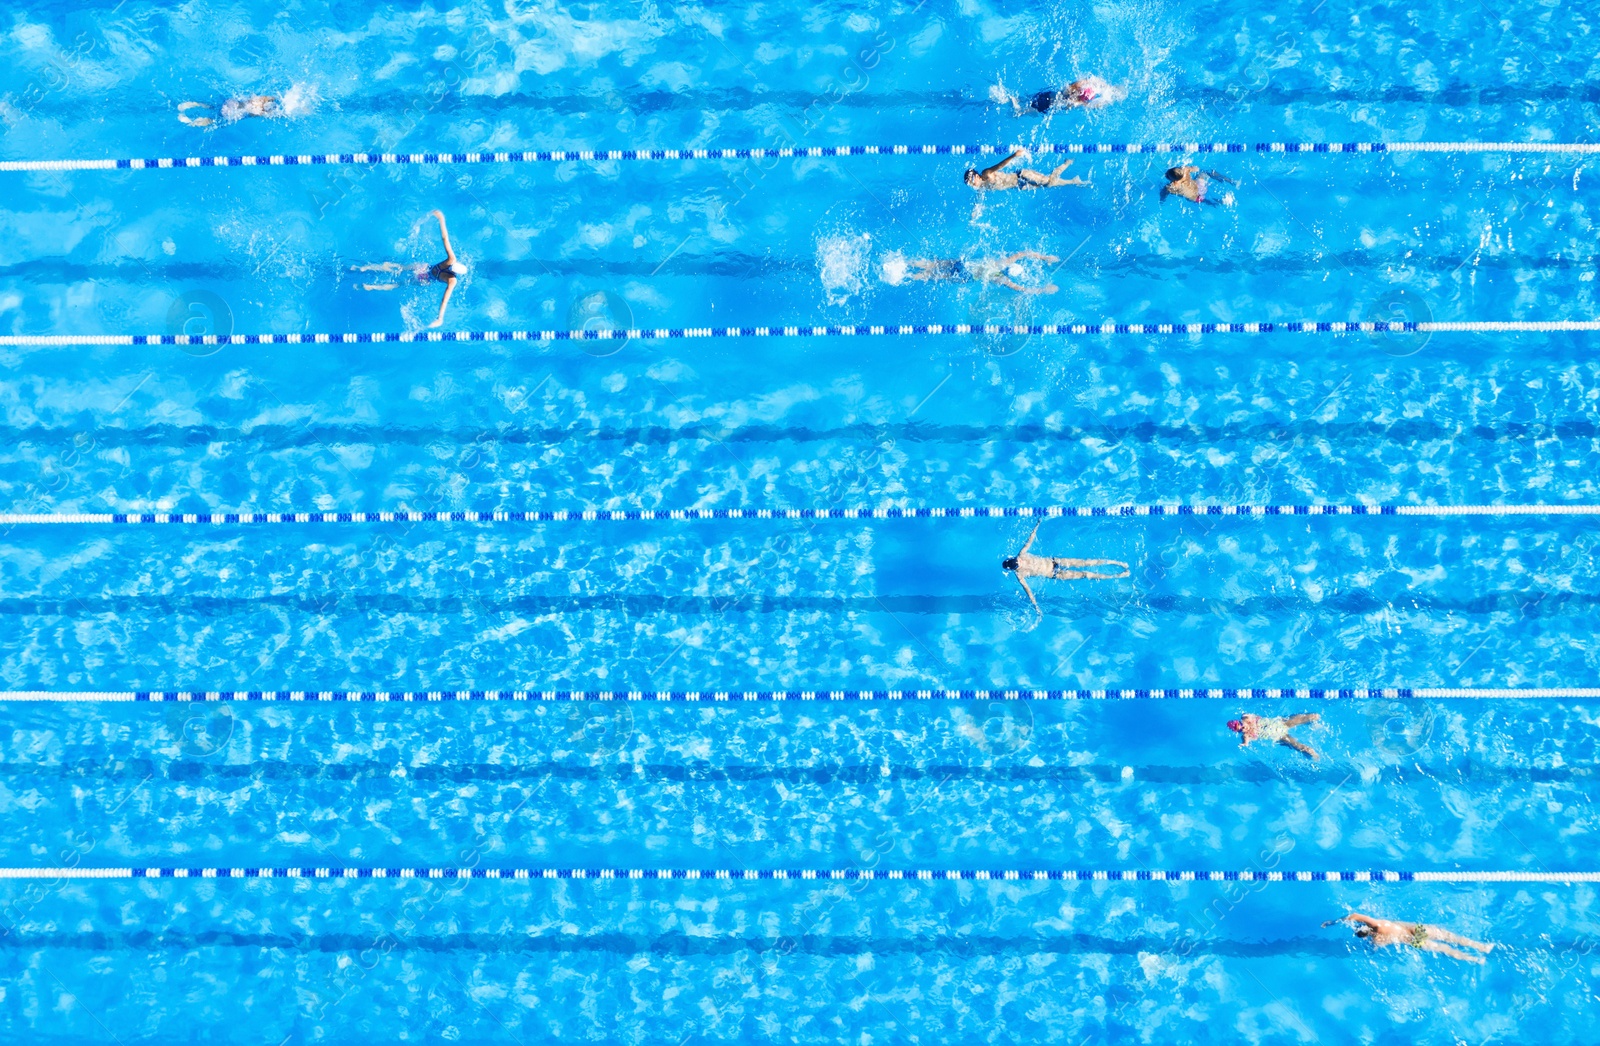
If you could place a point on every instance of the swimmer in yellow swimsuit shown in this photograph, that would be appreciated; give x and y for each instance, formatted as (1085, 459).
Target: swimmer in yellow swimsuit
(447, 272)
(994, 179)
(1027, 566)
(1252, 727)
(1421, 936)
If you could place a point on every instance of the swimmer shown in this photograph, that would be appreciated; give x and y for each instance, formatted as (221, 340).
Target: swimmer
(996, 270)
(233, 110)
(994, 178)
(1253, 727)
(1028, 566)
(1181, 181)
(1090, 92)
(1383, 932)
(446, 272)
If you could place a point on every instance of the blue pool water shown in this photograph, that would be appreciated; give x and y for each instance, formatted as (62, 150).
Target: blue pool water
(935, 421)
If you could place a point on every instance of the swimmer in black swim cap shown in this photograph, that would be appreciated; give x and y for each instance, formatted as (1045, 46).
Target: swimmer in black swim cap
(446, 272)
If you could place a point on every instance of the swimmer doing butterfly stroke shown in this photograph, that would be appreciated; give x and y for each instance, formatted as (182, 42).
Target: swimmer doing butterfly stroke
(446, 272)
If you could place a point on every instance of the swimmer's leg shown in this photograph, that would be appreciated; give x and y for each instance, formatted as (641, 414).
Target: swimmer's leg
(1039, 180)
(1006, 281)
(381, 267)
(379, 286)
(1086, 575)
(1435, 933)
(1445, 949)
(1303, 749)
(1064, 561)
(194, 121)
(1303, 718)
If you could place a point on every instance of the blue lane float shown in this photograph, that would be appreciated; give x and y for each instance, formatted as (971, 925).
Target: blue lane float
(1113, 875)
(166, 163)
(622, 515)
(838, 331)
(743, 696)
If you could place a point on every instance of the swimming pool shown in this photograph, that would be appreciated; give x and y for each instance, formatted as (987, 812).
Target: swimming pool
(804, 604)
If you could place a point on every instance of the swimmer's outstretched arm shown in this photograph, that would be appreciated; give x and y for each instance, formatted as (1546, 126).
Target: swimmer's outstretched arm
(449, 289)
(450, 255)
(1219, 177)
(1024, 583)
(1029, 543)
(990, 170)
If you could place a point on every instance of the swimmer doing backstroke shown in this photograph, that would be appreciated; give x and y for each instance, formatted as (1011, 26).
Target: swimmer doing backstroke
(1026, 566)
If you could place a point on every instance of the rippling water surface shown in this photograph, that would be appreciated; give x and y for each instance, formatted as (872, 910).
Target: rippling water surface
(907, 421)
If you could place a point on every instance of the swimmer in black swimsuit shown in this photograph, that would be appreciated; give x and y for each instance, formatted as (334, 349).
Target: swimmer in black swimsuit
(1060, 568)
(446, 272)
(988, 270)
(1089, 92)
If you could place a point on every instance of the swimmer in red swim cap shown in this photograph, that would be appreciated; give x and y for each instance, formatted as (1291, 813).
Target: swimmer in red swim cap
(1273, 728)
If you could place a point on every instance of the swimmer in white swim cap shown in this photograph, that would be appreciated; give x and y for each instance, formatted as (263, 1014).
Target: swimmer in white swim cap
(447, 272)
(958, 270)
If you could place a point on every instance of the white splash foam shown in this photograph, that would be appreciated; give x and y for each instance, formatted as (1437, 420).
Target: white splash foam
(842, 263)
(299, 100)
(893, 270)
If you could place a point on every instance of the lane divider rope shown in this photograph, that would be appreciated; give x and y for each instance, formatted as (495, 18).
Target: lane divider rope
(689, 514)
(846, 331)
(731, 696)
(795, 152)
(808, 874)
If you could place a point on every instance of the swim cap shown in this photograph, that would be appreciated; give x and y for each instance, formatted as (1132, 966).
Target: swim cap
(1235, 725)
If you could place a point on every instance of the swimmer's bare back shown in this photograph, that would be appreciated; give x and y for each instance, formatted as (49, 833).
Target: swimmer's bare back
(1422, 936)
